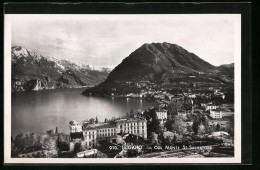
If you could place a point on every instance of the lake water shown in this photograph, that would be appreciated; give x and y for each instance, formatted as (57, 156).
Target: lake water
(44, 110)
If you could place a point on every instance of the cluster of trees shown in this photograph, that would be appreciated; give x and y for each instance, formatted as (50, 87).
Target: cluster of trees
(176, 124)
(93, 120)
(199, 124)
(50, 141)
(110, 121)
(153, 124)
(174, 106)
(63, 142)
(133, 114)
(170, 137)
(175, 127)
(156, 133)
(23, 141)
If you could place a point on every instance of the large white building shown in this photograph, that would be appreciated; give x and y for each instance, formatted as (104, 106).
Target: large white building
(161, 116)
(94, 132)
(216, 114)
(211, 107)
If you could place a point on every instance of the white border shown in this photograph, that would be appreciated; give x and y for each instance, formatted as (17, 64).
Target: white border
(7, 112)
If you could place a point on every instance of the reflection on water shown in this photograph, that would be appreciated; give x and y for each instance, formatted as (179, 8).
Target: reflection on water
(44, 110)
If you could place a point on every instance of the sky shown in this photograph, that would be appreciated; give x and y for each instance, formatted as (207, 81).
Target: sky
(105, 40)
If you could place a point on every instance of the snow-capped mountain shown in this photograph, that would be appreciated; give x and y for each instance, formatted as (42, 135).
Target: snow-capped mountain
(28, 65)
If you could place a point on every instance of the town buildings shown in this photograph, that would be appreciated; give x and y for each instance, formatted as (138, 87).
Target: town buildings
(75, 126)
(89, 135)
(216, 114)
(210, 107)
(220, 113)
(162, 116)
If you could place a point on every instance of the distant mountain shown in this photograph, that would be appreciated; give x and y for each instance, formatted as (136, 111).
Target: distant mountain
(32, 71)
(162, 62)
(227, 65)
(227, 69)
(151, 61)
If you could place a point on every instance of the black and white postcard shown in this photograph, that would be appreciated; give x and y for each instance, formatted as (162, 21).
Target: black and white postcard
(135, 88)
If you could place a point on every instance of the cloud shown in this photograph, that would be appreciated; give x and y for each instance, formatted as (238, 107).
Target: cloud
(108, 39)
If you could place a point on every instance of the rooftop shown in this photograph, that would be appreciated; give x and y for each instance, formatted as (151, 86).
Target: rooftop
(99, 126)
(131, 119)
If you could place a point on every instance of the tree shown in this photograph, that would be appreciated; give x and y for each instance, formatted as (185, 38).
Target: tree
(168, 124)
(38, 155)
(195, 126)
(230, 127)
(56, 131)
(168, 138)
(217, 127)
(204, 120)
(77, 148)
(50, 143)
(63, 142)
(91, 120)
(96, 119)
(106, 120)
(201, 129)
(154, 124)
(178, 126)
(174, 106)
(230, 131)
(153, 138)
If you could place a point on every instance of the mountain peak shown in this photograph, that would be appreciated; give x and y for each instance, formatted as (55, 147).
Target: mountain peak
(157, 60)
(19, 51)
(163, 46)
(27, 66)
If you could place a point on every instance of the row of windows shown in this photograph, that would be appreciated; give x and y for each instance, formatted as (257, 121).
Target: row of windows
(134, 128)
(89, 133)
(107, 130)
(134, 131)
(159, 113)
(104, 135)
(114, 130)
(114, 133)
(133, 124)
